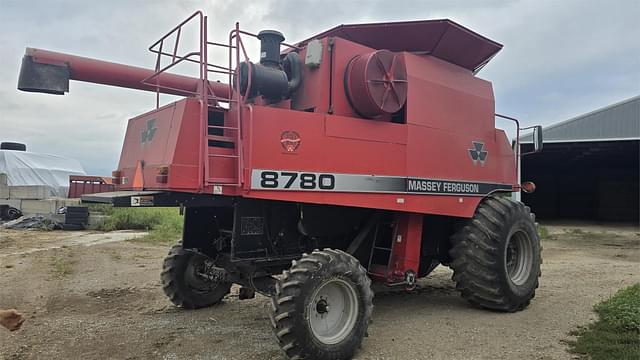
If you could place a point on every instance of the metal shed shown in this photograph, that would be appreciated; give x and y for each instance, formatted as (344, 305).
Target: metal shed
(589, 166)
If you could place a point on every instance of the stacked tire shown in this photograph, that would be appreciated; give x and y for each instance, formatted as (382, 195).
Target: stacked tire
(13, 146)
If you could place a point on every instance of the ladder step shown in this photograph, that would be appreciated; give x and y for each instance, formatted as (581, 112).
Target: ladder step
(223, 181)
(223, 155)
(222, 127)
(382, 248)
(221, 138)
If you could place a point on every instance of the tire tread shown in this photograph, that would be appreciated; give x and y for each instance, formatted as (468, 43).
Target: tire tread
(475, 255)
(171, 282)
(291, 284)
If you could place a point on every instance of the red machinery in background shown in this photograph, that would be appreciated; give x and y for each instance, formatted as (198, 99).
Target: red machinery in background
(373, 142)
(80, 185)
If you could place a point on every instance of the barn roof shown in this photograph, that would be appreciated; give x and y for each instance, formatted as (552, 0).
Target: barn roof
(619, 121)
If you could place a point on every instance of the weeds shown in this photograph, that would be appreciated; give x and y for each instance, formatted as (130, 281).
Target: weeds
(616, 335)
(163, 224)
(61, 266)
(543, 232)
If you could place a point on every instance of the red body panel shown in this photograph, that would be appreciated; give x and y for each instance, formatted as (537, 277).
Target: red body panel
(448, 112)
(443, 39)
(172, 140)
(334, 144)
(406, 247)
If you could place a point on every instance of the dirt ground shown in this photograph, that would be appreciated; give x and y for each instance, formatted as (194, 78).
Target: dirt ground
(94, 296)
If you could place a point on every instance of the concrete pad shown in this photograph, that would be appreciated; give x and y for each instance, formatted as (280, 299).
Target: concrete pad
(30, 192)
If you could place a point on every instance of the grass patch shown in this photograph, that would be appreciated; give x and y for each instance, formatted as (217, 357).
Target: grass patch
(61, 266)
(616, 335)
(163, 224)
(623, 309)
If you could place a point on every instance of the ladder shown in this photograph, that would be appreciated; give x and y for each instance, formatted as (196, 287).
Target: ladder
(227, 132)
(382, 249)
(225, 148)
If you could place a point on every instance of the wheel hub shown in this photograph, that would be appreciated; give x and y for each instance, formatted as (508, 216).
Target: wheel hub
(207, 271)
(519, 257)
(322, 307)
(333, 311)
(202, 275)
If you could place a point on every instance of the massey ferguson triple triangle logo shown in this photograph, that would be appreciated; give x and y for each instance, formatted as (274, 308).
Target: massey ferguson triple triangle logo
(149, 132)
(478, 153)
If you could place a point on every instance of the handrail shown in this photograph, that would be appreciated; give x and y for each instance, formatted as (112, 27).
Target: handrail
(517, 147)
(204, 91)
(198, 12)
(180, 59)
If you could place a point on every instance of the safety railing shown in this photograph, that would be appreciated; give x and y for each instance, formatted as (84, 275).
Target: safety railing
(203, 90)
(206, 93)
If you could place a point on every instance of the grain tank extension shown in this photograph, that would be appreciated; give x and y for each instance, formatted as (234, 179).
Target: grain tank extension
(366, 153)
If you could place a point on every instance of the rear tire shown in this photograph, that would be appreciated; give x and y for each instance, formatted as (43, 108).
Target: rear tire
(183, 283)
(497, 256)
(322, 306)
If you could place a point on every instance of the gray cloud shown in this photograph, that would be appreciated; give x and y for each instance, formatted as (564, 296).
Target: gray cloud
(561, 58)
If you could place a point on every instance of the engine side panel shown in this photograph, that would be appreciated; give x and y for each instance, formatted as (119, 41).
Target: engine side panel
(373, 168)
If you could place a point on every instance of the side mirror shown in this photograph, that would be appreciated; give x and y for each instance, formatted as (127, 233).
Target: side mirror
(537, 138)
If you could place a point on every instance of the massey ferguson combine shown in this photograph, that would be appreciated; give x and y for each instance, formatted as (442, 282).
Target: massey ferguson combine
(367, 153)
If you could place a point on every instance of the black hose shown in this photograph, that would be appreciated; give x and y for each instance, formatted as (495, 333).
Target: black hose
(294, 66)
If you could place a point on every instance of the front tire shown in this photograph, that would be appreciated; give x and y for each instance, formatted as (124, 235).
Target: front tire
(497, 256)
(322, 306)
(191, 281)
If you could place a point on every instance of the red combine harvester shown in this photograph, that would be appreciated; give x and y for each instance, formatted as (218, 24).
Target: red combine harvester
(365, 153)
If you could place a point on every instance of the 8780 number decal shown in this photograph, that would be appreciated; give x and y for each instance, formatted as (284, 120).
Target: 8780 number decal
(296, 181)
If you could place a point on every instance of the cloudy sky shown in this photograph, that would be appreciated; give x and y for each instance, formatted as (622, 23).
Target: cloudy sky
(560, 59)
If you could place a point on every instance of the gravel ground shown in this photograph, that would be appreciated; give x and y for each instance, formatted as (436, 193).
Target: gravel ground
(104, 301)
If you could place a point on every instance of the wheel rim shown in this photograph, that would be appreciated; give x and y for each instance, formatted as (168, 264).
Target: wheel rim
(202, 276)
(333, 311)
(519, 257)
